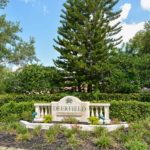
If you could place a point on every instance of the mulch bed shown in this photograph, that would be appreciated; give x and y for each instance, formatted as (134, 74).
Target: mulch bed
(39, 143)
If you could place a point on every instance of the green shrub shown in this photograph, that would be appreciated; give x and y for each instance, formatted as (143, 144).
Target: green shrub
(93, 120)
(98, 131)
(13, 111)
(12, 127)
(129, 110)
(136, 145)
(120, 135)
(70, 120)
(11, 118)
(21, 129)
(3, 127)
(68, 132)
(104, 141)
(47, 119)
(84, 134)
(26, 115)
(144, 97)
(36, 131)
(52, 133)
(6, 98)
(72, 141)
(23, 137)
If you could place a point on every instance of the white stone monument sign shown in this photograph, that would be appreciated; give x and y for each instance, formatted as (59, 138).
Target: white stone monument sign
(71, 106)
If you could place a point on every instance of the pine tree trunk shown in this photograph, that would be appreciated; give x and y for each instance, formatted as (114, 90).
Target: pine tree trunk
(79, 87)
(89, 88)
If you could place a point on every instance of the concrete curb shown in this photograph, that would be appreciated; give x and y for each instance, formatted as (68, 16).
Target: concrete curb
(83, 127)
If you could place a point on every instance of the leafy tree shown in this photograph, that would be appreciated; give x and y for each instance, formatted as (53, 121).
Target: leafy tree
(124, 76)
(12, 48)
(87, 39)
(3, 3)
(36, 78)
(140, 46)
(5, 75)
(144, 71)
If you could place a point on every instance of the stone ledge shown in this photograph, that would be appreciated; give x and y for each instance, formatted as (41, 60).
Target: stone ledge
(83, 127)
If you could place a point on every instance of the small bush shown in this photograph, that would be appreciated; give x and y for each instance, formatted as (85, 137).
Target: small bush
(23, 137)
(12, 127)
(73, 143)
(104, 141)
(36, 131)
(115, 121)
(27, 115)
(69, 132)
(84, 134)
(3, 127)
(48, 119)
(52, 133)
(70, 120)
(11, 118)
(93, 120)
(120, 135)
(98, 131)
(136, 145)
(21, 129)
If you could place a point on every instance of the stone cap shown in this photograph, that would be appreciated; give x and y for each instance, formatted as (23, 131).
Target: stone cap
(42, 104)
(100, 104)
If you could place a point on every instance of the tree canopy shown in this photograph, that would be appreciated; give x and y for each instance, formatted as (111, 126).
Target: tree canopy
(86, 39)
(13, 49)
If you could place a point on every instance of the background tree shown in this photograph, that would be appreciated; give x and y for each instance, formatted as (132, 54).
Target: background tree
(3, 3)
(140, 46)
(13, 50)
(86, 40)
(5, 74)
(35, 78)
(124, 76)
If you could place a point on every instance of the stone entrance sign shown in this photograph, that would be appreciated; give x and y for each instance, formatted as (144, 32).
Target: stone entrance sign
(71, 106)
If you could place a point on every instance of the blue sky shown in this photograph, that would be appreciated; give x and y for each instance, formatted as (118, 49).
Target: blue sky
(40, 19)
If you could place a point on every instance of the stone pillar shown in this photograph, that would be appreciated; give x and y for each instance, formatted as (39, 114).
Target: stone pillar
(86, 113)
(38, 117)
(106, 115)
(37, 110)
(54, 111)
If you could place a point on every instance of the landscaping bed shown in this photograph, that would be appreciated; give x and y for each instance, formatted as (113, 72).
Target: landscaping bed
(40, 143)
(136, 137)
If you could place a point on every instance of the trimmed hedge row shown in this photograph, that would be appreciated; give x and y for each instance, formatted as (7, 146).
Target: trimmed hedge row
(129, 110)
(13, 111)
(27, 98)
(144, 97)
(123, 110)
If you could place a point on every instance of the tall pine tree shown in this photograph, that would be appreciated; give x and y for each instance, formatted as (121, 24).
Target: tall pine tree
(86, 39)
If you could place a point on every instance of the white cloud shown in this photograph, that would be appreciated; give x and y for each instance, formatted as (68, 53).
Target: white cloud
(45, 10)
(128, 29)
(145, 4)
(124, 14)
(125, 11)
